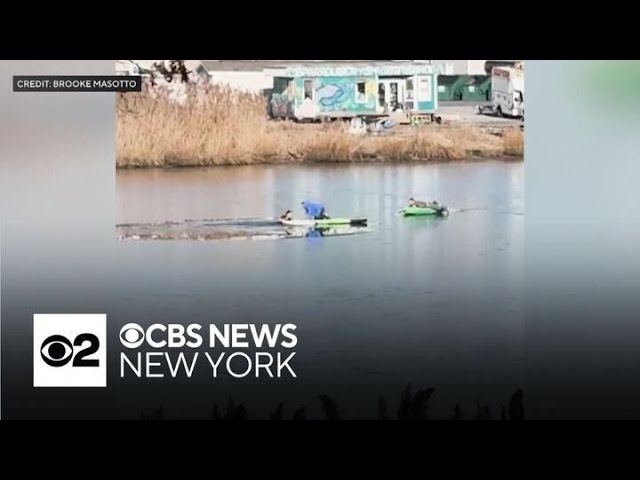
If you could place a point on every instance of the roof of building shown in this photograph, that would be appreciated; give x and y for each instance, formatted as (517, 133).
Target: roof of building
(357, 69)
(260, 65)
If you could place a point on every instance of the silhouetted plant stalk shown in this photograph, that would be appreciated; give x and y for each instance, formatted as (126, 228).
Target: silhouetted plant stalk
(412, 407)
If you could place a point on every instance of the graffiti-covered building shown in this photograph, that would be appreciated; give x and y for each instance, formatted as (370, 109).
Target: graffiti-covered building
(359, 90)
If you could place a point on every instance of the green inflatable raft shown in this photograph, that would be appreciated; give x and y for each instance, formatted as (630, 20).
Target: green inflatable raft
(433, 210)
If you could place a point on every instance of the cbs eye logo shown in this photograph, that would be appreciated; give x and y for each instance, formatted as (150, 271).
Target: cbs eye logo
(57, 351)
(69, 350)
(132, 335)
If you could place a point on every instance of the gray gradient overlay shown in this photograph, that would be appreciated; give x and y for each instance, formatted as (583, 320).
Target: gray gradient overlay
(582, 230)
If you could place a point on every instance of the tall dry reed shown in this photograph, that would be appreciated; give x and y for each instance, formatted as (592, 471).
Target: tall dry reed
(514, 142)
(216, 125)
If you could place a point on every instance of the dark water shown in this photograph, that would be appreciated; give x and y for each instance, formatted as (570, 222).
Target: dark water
(435, 302)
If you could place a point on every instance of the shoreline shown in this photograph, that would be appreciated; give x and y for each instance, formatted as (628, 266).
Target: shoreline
(224, 127)
(367, 162)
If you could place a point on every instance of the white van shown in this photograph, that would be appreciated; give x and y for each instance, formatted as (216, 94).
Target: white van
(507, 91)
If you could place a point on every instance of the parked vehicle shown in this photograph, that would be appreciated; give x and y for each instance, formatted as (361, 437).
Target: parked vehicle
(507, 91)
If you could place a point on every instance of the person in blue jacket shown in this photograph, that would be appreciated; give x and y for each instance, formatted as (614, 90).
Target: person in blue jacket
(314, 210)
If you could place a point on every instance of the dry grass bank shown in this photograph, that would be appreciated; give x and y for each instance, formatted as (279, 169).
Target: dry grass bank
(220, 126)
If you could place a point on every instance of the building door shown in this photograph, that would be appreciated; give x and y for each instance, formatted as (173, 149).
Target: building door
(391, 94)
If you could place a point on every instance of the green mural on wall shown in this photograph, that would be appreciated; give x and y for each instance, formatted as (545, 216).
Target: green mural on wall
(311, 97)
(350, 94)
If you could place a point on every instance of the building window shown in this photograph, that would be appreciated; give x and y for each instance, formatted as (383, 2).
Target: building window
(382, 101)
(308, 89)
(425, 93)
(410, 94)
(361, 92)
(393, 95)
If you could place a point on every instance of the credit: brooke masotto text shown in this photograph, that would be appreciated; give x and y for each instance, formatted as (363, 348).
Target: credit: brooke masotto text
(236, 350)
